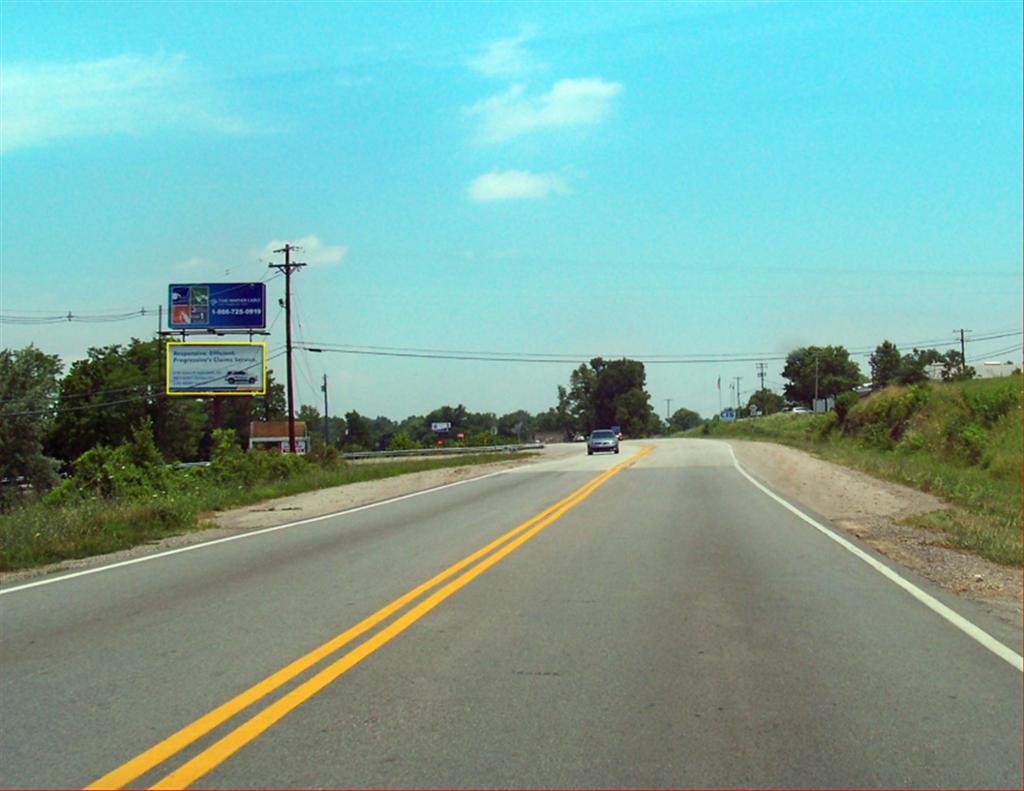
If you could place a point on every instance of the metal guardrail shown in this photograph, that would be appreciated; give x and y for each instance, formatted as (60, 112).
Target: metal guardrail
(384, 454)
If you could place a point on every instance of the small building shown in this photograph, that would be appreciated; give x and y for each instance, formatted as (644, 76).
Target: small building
(995, 370)
(986, 370)
(273, 435)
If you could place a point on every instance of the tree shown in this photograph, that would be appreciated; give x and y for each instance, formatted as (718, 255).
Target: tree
(822, 370)
(28, 387)
(310, 415)
(518, 424)
(885, 364)
(383, 429)
(610, 393)
(272, 406)
(358, 431)
(914, 366)
(683, 419)
(103, 396)
(767, 402)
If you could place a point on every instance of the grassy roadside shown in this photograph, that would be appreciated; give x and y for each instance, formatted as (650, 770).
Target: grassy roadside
(960, 441)
(69, 525)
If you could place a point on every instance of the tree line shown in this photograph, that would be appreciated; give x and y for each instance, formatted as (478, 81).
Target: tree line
(48, 418)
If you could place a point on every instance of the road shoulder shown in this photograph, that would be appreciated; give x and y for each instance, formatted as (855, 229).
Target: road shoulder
(875, 511)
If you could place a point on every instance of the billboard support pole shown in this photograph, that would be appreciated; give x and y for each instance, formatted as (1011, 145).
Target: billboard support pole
(287, 269)
(218, 411)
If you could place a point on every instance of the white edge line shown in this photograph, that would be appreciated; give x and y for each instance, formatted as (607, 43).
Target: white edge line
(929, 601)
(249, 534)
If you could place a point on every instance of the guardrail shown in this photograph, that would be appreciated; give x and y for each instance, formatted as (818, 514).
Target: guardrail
(383, 454)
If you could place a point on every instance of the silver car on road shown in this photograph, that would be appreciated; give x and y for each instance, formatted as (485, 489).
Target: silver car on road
(602, 439)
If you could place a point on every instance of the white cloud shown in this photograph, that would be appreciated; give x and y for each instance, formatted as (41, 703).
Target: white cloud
(123, 95)
(505, 58)
(569, 103)
(312, 251)
(515, 185)
(191, 264)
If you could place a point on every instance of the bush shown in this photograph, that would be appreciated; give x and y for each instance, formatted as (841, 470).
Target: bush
(844, 403)
(402, 441)
(132, 471)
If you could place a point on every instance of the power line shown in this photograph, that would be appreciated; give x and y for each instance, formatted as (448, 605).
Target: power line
(70, 316)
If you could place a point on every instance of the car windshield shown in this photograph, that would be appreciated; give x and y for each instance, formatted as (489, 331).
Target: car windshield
(602, 435)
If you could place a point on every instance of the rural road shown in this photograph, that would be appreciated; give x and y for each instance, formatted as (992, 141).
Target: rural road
(648, 619)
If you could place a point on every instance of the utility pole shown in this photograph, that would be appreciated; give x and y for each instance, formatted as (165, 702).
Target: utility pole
(737, 378)
(761, 368)
(963, 352)
(815, 379)
(668, 409)
(287, 268)
(327, 429)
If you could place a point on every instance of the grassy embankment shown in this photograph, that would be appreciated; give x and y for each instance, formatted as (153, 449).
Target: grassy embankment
(960, 441)
(126, 496)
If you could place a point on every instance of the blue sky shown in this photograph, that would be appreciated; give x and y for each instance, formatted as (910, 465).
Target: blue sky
(717, 179)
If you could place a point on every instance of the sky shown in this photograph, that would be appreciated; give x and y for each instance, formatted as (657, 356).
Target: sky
(703, 186)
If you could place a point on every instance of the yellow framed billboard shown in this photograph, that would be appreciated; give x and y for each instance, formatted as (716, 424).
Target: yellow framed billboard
(216, 368)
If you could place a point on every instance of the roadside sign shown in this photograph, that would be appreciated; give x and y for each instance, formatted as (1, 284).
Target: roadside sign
(212, 306)
(727, 415)
(216, 368)
(439, 428)
(300, 445)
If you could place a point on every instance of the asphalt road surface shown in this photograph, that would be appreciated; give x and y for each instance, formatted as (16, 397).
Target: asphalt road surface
(647, 619)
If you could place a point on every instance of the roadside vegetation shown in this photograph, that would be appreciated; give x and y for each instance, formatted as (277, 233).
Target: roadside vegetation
(958, 440)
(121, 497)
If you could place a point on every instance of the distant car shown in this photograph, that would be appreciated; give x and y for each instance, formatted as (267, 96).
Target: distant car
(801, 410)
(601, 440)
(240, 378)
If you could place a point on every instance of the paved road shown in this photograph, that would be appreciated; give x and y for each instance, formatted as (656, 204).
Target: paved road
(649, 619)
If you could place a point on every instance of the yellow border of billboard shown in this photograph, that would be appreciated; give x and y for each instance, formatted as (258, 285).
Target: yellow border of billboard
(230, 394)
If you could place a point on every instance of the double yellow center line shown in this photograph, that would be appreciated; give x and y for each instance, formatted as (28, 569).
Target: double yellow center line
(471, 566)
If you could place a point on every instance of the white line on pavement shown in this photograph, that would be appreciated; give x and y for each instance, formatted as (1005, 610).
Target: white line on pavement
(929, 601)
(251, 534)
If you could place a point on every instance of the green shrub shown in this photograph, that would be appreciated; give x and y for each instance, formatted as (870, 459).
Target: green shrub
(844, 403)
(402, 441)
(132, 471)
(324, 455)
(988, 403)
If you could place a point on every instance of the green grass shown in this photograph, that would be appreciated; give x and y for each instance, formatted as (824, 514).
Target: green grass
(39, 533)
(961, 442)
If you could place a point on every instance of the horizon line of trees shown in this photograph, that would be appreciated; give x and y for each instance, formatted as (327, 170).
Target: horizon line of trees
(48, 419)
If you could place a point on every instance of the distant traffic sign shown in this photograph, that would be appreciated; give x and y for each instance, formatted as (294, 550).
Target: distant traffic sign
(215, 306)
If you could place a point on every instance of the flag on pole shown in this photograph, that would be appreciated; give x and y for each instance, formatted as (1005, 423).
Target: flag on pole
(718, 384)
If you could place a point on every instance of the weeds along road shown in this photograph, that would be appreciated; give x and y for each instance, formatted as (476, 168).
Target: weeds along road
(638, 620)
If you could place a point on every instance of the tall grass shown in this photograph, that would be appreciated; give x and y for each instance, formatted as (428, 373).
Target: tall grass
(960, 441)
(115, 505)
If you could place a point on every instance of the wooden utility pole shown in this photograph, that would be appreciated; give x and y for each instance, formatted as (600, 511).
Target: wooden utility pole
(287, 268)
(963, 351)
(327, 429)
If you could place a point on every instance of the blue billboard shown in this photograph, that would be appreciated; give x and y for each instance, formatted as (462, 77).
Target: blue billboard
(217, 306)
